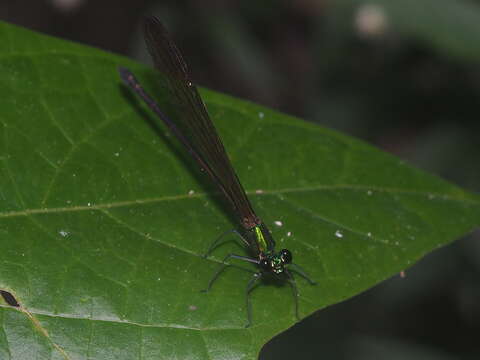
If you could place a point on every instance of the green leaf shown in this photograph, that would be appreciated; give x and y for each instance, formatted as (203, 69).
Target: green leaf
(101, 237)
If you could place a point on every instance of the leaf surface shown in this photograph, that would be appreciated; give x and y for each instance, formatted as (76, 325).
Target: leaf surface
(104, 218)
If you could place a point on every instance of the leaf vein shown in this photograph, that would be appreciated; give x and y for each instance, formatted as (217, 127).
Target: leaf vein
(125, 203)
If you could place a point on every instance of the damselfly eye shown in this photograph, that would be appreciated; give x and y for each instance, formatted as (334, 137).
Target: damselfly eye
(286, 256)
(265, 264)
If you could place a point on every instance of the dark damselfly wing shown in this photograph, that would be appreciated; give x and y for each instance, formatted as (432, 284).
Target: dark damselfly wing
(192, 125)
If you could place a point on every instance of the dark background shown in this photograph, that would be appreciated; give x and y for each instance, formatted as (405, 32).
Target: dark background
(403, 75)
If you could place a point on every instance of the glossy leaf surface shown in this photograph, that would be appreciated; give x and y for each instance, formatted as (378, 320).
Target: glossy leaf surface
(104, 218)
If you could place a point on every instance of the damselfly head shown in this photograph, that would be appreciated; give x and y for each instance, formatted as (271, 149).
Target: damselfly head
(275, 263)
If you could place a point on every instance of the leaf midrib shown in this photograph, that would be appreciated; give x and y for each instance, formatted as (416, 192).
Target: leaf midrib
(117, 204)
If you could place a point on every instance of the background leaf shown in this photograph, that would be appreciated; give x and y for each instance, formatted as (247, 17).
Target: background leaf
(451, 27)
(101, 242)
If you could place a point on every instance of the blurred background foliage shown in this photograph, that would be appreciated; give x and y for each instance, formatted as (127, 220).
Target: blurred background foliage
(403, 75)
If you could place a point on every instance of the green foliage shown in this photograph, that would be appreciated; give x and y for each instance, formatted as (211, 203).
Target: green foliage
(101, 238)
